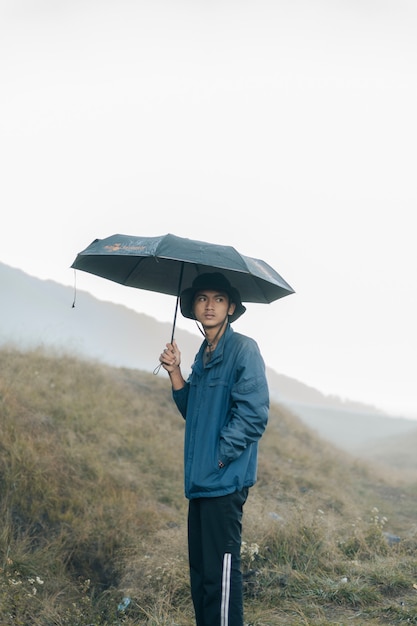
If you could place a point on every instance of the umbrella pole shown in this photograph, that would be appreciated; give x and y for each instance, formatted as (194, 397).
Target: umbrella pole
(158, 367)
(178, 300)
(175, 319)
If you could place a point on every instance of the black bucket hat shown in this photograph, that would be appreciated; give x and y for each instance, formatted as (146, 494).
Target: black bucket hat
(214, 281)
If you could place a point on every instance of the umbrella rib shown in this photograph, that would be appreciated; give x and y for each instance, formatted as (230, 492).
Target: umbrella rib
(134, 268)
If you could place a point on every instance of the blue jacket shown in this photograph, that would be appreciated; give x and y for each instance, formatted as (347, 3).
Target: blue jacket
(225, 405)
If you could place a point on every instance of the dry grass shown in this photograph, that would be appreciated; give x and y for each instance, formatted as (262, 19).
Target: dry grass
(94, 514)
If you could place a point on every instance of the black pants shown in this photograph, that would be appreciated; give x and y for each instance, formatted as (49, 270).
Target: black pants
(214, 542)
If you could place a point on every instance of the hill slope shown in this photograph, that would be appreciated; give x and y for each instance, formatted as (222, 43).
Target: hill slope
(399, 451)
(93, 509)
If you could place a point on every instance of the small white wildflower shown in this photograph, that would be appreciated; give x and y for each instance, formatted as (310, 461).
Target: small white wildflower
(253, 549)
(39, 580)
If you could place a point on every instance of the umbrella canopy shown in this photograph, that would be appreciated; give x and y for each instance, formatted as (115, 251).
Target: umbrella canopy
(169, 264)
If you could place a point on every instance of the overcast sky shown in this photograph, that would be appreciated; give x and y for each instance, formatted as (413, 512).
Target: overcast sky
(285, 128)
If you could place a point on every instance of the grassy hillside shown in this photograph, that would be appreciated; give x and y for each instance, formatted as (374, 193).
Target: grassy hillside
(94, 514)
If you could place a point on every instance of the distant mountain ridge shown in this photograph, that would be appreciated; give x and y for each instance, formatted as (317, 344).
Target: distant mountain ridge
(38, 313)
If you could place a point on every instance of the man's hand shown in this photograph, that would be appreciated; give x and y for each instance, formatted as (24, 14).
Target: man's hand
(171, 361)
(170, 357)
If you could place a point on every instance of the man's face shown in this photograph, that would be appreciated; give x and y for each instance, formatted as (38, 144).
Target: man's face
(212, 307)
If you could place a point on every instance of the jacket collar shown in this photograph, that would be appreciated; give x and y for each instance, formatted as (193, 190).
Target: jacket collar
(218, 353)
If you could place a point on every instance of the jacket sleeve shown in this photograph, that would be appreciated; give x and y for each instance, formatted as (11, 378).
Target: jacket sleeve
(250, 405)
(181, 399)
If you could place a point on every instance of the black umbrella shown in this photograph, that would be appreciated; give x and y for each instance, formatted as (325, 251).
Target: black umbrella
(169, 264)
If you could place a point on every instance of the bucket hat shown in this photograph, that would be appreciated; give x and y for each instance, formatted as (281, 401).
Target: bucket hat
(213, 282)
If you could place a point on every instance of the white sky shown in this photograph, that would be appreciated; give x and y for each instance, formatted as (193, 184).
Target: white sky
(285, 128)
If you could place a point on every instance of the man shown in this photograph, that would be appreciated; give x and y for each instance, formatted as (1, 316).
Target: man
(225, 403)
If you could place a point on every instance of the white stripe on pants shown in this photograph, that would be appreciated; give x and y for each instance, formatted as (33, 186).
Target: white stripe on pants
(226, 576)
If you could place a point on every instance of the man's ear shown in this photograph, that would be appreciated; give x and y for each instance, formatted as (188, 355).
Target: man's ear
(232, 308)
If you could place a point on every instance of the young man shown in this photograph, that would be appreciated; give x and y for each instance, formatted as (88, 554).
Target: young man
(225, 403)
